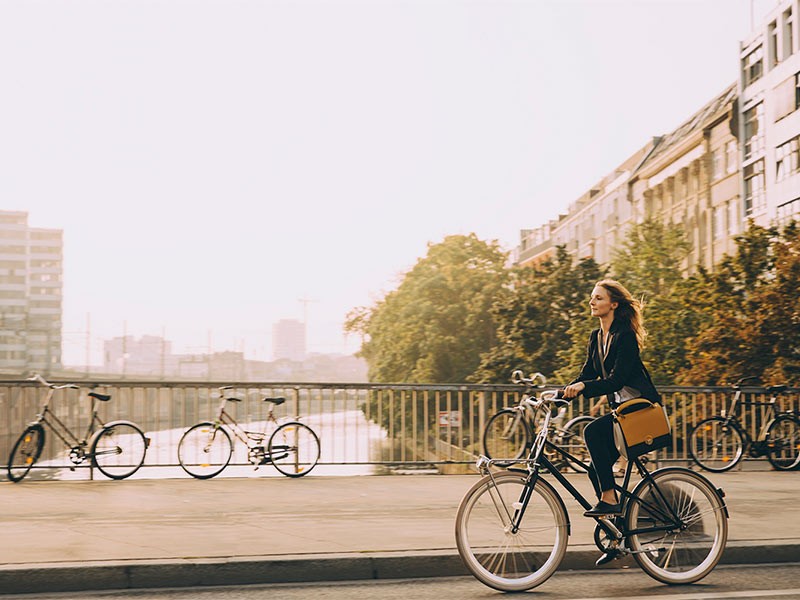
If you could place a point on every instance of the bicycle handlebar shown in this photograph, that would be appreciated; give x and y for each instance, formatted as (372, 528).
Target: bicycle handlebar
(741, 380)
(52, 386)
(518, 377)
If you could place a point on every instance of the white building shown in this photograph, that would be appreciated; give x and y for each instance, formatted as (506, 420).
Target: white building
(769, 122)
(31, 268)
(289, 340)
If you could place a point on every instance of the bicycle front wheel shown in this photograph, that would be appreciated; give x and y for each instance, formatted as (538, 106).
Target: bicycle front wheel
(716, 445)
(678, 524)
(506, 435)
(784, 443)
(294, 449)
(205, 450)
(118, 450)
(25, 452)
(496, 552)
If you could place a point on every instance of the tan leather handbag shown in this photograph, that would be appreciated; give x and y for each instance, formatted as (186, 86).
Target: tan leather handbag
(640, 426)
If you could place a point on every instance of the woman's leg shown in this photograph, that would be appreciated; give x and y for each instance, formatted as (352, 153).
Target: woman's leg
(599, 437)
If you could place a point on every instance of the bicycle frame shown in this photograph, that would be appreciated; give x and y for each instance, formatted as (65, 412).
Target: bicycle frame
(249, 438)
(616, 531)
(60, 429)
(732, 417)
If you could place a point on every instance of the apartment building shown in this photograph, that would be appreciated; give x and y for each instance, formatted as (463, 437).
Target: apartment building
(769, 91)
(688, 178)
(690, 181)
(736, 159)
(31, 270)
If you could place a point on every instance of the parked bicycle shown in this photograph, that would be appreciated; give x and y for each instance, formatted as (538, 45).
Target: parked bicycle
(206, 448)
(117, 449)
(512, 527)
(509, 433)
(718, 443)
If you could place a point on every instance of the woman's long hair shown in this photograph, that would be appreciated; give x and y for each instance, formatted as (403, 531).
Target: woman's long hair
(629, 309)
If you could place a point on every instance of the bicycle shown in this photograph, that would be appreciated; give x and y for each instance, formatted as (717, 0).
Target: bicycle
(117, 449)
(718, 443)
(509, 432)
(512, 527)
(205, 449)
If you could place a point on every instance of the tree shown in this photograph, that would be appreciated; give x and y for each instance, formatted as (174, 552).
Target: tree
(534, 316)
(436, 324)
(752, 323)
(648, 263)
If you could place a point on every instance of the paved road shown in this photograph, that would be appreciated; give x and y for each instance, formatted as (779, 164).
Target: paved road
(61, 536)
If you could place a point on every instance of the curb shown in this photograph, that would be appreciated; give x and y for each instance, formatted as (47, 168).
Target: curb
(75, 577)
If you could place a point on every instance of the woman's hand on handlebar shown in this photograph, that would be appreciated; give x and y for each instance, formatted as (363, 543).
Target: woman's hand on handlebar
(573, 390)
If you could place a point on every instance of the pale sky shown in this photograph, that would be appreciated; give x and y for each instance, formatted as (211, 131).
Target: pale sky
(212, 162)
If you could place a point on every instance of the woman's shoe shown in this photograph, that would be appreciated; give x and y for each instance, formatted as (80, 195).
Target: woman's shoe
(602, 509)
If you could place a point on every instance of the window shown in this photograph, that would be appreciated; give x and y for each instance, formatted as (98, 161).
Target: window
(717, 163)
(754, 197)
(752, 66)
(786, 159)
(787, 97)
(788, 33)
(733, 218)
(753, 131)
(773, 44)
(731, 160)
(718, 222)
(790, 211)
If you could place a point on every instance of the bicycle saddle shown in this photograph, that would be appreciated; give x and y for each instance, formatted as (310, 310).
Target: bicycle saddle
(276, 401)
(777, 389)
(101, 397)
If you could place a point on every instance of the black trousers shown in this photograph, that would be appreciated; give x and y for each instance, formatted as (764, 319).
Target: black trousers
(599, 437)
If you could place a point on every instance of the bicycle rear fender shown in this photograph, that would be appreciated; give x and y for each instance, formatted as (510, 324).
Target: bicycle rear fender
(97, 433)
(717, 490)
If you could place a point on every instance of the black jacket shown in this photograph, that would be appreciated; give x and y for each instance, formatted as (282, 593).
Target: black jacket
(623, 366)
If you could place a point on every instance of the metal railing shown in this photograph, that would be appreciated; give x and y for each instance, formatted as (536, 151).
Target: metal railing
(363, 428)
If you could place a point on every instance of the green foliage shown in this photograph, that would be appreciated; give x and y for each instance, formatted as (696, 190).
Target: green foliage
(648, 263)
(535, 316)
(751, 323)
(435, 325)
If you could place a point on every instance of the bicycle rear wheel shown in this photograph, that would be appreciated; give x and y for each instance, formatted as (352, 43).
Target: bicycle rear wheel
(294, 449)
(693, 522)
(784, 443)
(205, 450)
(498, 556)
(118, 450)
(716, 445)
(25, 452)
(506, 435)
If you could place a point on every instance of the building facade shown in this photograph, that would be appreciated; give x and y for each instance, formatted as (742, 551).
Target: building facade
(289, 340)
(31, 272)
(769, 89)
(735, 160)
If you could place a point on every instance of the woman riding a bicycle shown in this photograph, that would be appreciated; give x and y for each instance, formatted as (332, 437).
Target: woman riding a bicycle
(613, 368)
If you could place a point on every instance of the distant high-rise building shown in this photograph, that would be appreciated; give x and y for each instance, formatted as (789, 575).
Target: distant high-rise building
(289, 340)
(30, 295)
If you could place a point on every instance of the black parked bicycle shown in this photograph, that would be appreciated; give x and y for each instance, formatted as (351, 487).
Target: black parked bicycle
(512, 527)
(509, 433)
(718, 443)
(117, 449)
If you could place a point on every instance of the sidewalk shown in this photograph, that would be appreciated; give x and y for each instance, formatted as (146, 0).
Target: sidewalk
(64, 536)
